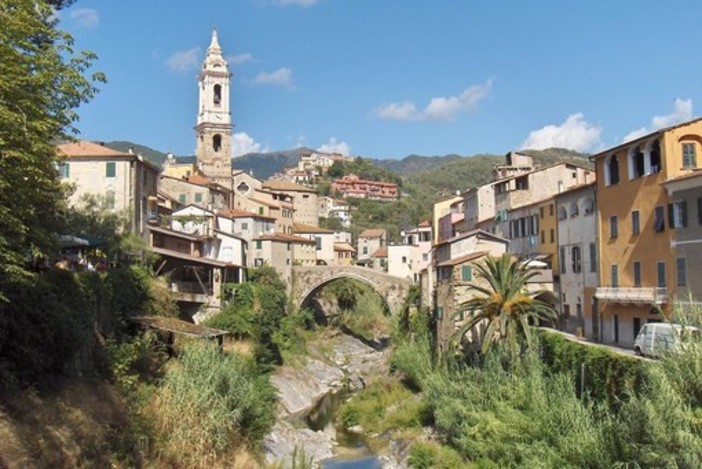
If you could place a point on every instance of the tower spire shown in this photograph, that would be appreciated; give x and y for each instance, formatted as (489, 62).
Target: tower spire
(214, 44)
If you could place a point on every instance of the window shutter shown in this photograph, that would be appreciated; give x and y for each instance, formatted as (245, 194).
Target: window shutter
(683, 209)
(467, 273)
(671, 216)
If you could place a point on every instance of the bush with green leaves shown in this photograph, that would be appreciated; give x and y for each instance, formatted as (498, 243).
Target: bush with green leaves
(212, 401)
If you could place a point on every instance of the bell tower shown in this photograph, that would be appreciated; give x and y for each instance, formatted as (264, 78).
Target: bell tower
(213, 149)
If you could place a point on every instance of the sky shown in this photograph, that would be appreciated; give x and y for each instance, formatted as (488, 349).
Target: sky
(390, 78)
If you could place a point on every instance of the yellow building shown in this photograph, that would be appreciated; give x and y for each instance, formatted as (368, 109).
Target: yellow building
(636, 228)
(548, 233)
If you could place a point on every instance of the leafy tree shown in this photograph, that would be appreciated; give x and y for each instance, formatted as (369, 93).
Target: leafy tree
(504, 305)
(42, 82)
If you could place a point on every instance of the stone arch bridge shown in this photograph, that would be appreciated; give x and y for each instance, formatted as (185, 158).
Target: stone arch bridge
(307, 281)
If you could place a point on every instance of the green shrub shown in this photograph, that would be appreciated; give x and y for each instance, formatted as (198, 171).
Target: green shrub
(210, 401)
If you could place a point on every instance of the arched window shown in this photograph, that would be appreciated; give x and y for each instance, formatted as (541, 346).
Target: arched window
(588, 205)
(562, 213)
(656, 156)
(217, 95)
(574, 209)
(636, 163)
(217, 142)
(611, 168)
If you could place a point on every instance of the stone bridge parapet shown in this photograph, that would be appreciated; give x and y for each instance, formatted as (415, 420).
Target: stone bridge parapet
(307, 281)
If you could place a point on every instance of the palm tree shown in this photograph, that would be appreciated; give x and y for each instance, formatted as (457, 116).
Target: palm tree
(503, 306)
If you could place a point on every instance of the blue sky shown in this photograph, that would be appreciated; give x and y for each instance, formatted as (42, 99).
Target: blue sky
(389, 78)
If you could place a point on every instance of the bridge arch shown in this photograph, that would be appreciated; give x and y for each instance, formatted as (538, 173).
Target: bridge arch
(307, 281)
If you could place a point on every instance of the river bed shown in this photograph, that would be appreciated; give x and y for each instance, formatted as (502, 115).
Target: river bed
(309, 398)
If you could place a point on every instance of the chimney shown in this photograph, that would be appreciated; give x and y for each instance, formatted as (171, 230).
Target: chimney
(130, 150)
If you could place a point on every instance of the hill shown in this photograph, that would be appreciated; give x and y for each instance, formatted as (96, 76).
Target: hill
(154, 157)
(264, 165)
(415, 163)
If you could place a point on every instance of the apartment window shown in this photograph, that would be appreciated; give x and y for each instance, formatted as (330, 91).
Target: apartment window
(258, 244)
(677, 214)
(593, 257)
(576, 258)
(467, 273)
(636, 163)
(541, 212)
(198, 197)
(637, 273)
(562, 213)
(318, 243)
(656, 157)
(689, 159)
(635, 223)
(543, 237)
(550, 210)
(110, 169)
(404, 259)
(563, 260)
(244, 226)
(611, 166)
(681, 271)
(260, 210)
(659, 219)
(552, 236)
(289, 246)
(425, 257)
(182, 199)
(614, 276)
(365, 249)
(64, 170)
(661, 274)
(613, 227)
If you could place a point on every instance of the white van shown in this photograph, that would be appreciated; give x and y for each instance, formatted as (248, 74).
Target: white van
(657, 338)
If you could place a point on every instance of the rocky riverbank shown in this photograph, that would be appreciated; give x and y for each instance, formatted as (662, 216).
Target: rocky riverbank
(337, 362)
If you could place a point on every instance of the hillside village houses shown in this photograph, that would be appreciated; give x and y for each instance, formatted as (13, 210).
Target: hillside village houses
(616, 247)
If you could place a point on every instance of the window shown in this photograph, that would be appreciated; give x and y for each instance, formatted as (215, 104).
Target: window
(439, 312)
(611, 165)
(258, 262)
(182, 199)
(467, 273)
(550, 209)
(613, 227)
(404, 259)
(198, 197)
(110, 169)
(563, 260)
(593, 257)
(217, 142)
(656, 156)
(659, 219)
(636, 164)
(64, 170)
(614, 276)
(635, 223)
(244, 226)
(260, 210)
(365, 249)
(661, 274)
(588, 206)
(689, 160)
(552, 236)
(522, 183)
(562, 213)
(637, 273)
(681, 271)
(289, 246)
(259, 244)
(541, 212)
(677, 214)
(543, 237)
(318, 243)
(576, 258)
(574, 209)
(699, 210)
(425, 257)
(110, 200)
(217, 95)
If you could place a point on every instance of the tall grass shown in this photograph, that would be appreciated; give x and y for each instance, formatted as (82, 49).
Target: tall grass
(209, 403)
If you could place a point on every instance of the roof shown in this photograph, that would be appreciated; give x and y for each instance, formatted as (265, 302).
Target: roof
(233, 213)
(279, 185)
(177, 326)
(287, 238)
(372, 233)
(267, 204)
(178, 234)
(576, 189)
(198, 179)
(302, 228)
(382, 252)
(696, 172)
(86, 148)
(463, 259)
(188, 257)
(642, 138)
(476, 232)
(424, 224)
(344, 247)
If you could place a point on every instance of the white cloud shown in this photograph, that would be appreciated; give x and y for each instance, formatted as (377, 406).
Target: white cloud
(574, 134)
(184, 61)
(243, 143)
(335, 146)
(301, 141)
(85, 17)
(439, 108)
(682, 111)
(281, 77)
(239, 58)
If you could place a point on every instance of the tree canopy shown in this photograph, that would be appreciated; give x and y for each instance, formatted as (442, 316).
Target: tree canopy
(43, 81)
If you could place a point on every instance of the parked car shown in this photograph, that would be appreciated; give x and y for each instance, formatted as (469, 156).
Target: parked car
(657, 338)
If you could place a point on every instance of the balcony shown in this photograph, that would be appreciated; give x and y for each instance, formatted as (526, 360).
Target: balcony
(190, 292)
(632, 295)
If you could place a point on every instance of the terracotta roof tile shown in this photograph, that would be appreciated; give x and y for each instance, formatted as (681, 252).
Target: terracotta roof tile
(86, 148)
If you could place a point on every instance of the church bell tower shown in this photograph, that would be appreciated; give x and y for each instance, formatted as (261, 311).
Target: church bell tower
(213, 149)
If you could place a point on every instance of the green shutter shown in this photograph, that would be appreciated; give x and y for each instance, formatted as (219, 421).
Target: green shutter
(110, 169)
(467, 273)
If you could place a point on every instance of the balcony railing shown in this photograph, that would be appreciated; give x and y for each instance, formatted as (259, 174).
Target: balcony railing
(189, 292)
(636, 295)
